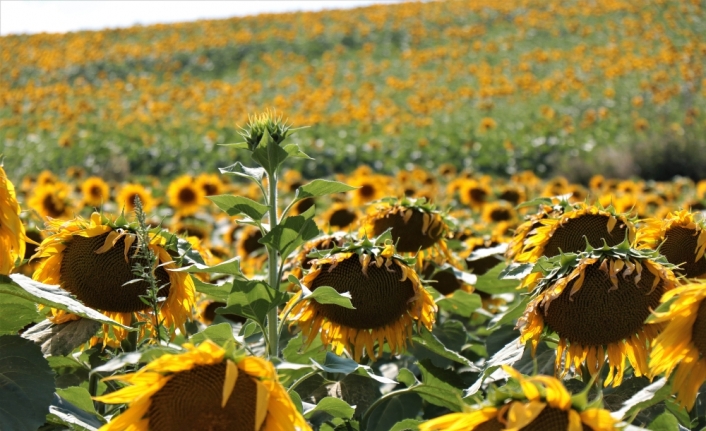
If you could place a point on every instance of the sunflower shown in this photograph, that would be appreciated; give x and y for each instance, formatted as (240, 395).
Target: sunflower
(370, 187)
(597, 302)
(51, 200)
(474, 193)
(542, 403)
(385, 291)
(570, 231)
(444, 279)
(499, 211)
(204, 389)
(93, 260)
(184, 196)
(127, 195)
(681, 238)
(252, 252)
(95, 192)
(12, 231)
(416, 227)
(681, 346)
(340, 216)
(211, 184)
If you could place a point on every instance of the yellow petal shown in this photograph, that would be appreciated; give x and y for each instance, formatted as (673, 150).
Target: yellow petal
(229, 383)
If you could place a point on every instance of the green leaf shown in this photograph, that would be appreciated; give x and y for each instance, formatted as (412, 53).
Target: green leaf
(16, 313)
(252, 299)
(294, 151)
(234, 205)
(436, 387)
(336, 364)
(268, 154)
(215, 291)
(407, 425)
(236, 145)
(52, 296)
(255, 174)
(511, 315)
(429, 341)
(389, 413)
(490, 282)
(647, 397)
(329, 295)
(295, 352)
(461, 303)
(407, 377)
(664, 422)
(79, 397)
(26, 384)
(322, 188)
(220, 334)
(335, 407)
(64, 412)
(292, 232)
(516, 271)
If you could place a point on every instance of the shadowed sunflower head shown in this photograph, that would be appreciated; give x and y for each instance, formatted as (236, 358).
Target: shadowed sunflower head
(204, 388)
(597, 302)
(185, 196)
(681, 238)
(415, 227)
(474, 193)
(569, 232)
(95, 192)
(340, 216)
(93, 260)
(211, 184)
(126, 198)
(498, 211)
(51, 200)
(681, 347)
(541, 403)
(12, 231)
(385, 291)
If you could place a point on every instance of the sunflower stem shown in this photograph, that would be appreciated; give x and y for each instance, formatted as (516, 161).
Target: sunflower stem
(273, 269)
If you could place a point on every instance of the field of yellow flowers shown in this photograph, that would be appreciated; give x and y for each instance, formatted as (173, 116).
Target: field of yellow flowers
(457, 215)
(555, 87)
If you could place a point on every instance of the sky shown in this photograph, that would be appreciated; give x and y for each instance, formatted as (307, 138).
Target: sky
(52, 16)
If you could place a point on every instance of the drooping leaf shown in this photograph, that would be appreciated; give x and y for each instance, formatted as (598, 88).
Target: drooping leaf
(429, 341)
(234, 205)
(329, 295)
(62, 339)
(65, 412)
(389, 413)
(649, 396)
(218, 292)
(26, 384)
(516, 271)
(255, 174)
(490, 282)
(52, 296)
(220, 334)
(16, 313)
(461, 303)
(437, 388)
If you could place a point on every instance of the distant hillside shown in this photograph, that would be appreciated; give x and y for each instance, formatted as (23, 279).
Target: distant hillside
(557, 87)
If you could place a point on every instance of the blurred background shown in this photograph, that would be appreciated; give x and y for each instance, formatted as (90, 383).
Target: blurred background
(566, 88)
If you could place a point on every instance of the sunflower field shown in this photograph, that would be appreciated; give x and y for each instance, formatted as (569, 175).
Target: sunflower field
(459, 215)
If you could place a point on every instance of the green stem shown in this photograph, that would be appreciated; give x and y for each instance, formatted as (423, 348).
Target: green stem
(273, 270)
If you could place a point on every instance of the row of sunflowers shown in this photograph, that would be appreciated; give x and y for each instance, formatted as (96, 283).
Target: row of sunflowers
(500, 86)
(426, 301)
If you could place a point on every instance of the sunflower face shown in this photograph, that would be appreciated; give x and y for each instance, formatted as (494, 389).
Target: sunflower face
(412, 229)
(127, 195)
(386, 293)
(12, 231)
(98, 280)
(191, 400)
(185, 196)
(51, 200)
(95, 191)
(379, 297)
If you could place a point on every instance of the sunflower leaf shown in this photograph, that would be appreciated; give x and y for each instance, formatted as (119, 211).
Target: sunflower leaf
(26, 384)
(428, 341)
(255, 174)
(437, 386)
(329, 295)
(461, 303)
(490, 282)
(16, 313)
(335, 407)
(294, 151)
(649, 396)
(396, 413)
(292, 232)
(516, 271)
(219, 334)
(252, 299)
(234, 205)
(52, 296)
(268, 154)
(62, 339)
(66, 412)
(230, 267)
(321, 188)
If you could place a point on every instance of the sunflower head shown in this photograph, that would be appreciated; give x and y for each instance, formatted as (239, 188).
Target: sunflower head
(211, 184)
(680, 237)
(570, 231)
(414, 225)
(51, 200)
(340, 217)
(539, 403)
(94, 259)
(128, 193)
(680, 349)
(205, 387)
(185, 197)
(12, 231)
(385, 290)
(597, 302)
(95, 192)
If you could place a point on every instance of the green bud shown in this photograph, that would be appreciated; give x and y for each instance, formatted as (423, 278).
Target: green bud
(267, 121)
